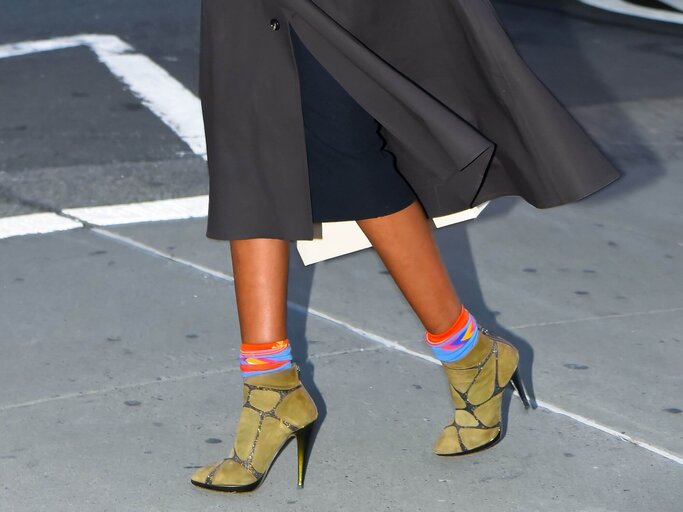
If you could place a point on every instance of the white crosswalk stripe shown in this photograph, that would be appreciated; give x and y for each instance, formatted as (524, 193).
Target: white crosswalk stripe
(162, 94)
(148, 211)
(35, 223)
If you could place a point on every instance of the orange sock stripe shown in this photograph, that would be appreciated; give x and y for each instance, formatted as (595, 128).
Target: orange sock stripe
(457, 325)
(260, 348)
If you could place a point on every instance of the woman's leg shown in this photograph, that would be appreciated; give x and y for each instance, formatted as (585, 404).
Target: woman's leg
(260, 267)
(276, 405)
(405, 243)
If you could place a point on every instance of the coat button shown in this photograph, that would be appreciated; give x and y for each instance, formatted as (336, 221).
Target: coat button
(275, 24)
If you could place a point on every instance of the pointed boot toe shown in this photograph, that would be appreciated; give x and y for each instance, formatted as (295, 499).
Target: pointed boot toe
(448, 442)
(226, 475)
(201, 476)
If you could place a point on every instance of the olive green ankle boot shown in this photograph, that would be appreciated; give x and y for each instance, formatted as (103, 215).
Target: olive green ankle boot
(477, 383)
(276, 408)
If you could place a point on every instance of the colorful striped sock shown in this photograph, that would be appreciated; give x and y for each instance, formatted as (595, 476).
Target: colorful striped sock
(455, 342)
(260, 358)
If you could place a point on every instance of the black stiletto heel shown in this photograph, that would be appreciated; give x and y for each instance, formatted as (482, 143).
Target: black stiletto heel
(302, 437)
(518, 385)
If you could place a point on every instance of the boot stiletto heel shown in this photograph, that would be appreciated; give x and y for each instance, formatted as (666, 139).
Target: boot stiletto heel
(302, 437)
(518, 385)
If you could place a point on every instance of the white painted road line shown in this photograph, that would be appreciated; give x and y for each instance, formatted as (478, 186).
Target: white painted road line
(46, 45)
(150, 211)
(35, 223)
(622, 7)
(165, 96)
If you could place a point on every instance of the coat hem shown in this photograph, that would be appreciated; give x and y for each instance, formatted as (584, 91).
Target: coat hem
(543, 205)
(227, 235)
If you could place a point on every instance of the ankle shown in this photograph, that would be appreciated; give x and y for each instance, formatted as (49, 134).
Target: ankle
(457, 341)
(265, 358)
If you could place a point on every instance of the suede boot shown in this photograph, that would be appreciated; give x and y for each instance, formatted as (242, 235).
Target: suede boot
(276, 408)
(477, 383)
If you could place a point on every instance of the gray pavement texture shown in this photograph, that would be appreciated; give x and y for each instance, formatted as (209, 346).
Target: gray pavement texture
(118, 355)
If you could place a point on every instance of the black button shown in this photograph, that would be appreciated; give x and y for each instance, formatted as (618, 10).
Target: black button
(275, 24)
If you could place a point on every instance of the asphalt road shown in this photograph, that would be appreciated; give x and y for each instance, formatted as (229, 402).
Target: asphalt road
(118, 353)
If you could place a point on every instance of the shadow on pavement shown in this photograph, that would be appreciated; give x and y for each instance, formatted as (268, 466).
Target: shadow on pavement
(296, 328)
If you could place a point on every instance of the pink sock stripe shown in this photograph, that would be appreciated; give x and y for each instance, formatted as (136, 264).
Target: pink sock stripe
(443, 343)
(262, 353)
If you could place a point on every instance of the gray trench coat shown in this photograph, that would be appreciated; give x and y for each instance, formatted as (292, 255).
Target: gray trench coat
(466, 118)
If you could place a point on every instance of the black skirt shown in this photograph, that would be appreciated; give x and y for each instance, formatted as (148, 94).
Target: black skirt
(351, 174)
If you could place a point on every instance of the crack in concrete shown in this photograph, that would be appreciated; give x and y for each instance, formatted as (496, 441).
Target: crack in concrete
(597, 318)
